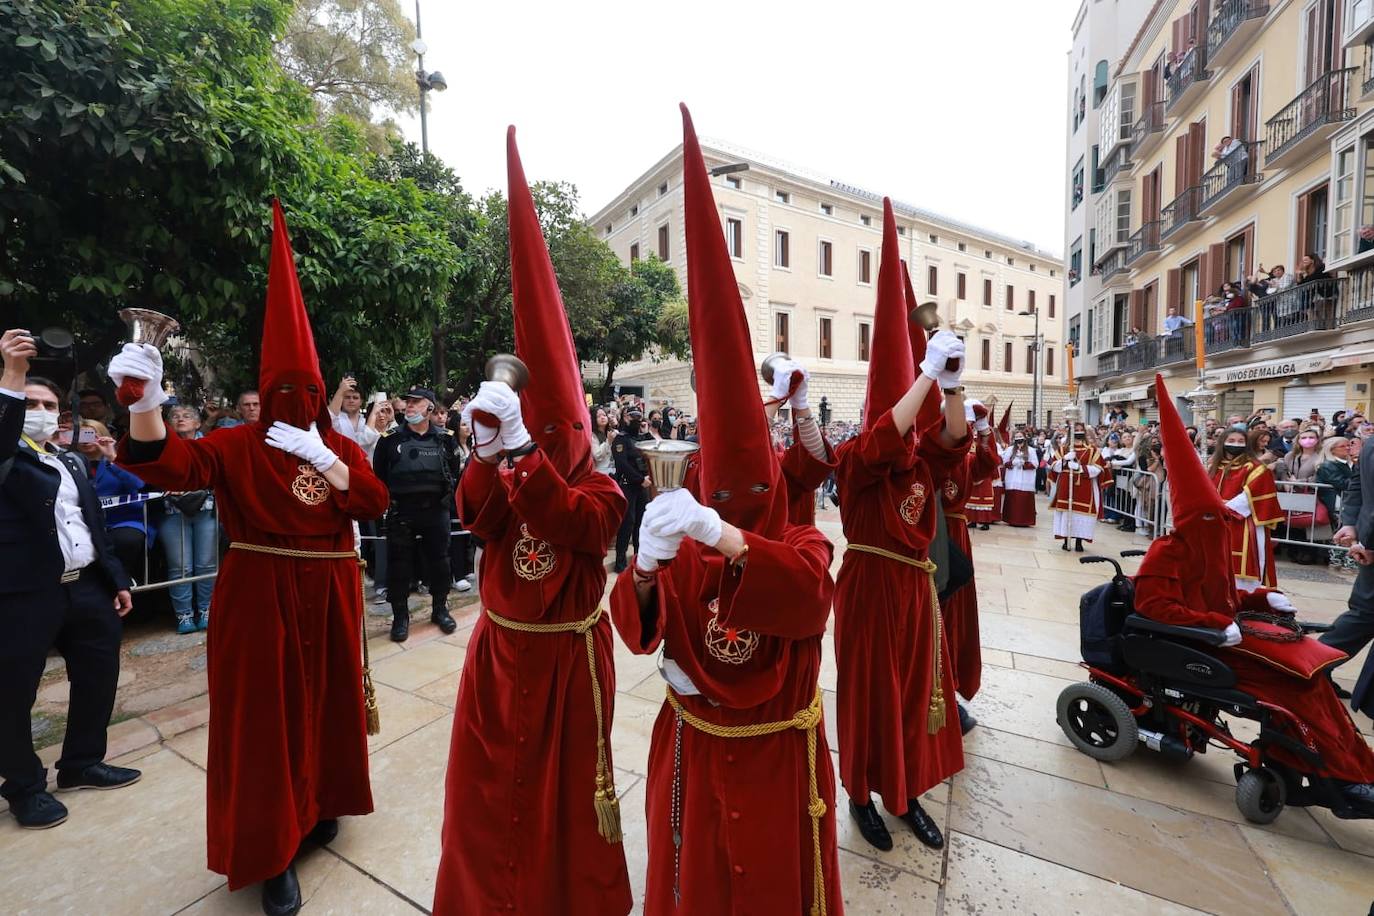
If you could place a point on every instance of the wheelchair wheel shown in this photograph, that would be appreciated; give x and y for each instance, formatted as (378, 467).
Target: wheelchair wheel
(1097, 721)
(1260, 795)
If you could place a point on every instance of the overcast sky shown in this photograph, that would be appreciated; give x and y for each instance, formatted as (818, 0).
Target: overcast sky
(957, 107)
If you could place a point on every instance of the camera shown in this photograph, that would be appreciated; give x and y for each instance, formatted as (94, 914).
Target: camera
(53, 343)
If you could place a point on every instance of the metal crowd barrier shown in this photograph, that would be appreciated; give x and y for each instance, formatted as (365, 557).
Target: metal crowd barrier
(145, 500)
(1134, 497)
(1298, 500)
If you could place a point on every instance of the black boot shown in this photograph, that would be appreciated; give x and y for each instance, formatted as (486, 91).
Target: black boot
(871, 824)
(620, 564)
(967, 722)
(444, 619)
(984, 527)
(324, 832)
(1077, 545)
(400, 626)
(925, 828)
(1064, 546)
(281, 896)
(1341, 692)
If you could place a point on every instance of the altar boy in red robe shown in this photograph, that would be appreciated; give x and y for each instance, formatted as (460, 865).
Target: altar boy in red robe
(741, 792)
(1187, 578)
(1078, 475)
(898, 728)
(288, 739)
(531, 818)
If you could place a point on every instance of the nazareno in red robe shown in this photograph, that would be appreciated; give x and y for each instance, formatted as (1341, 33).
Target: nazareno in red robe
(520, 827)
(960, 610)
(743, 800)
(984, 504)
(1252, 549)
(1169, 589)
(288, 737)
(884, 633)
(802, 473)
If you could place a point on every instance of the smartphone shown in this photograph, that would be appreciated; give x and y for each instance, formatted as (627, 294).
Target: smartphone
(64, 437)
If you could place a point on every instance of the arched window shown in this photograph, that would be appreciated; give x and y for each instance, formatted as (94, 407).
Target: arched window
(1099, 83)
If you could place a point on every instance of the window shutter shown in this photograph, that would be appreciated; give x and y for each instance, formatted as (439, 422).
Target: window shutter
(1178, 38)
(1249, 266)
(1137, 308)
(1173, 289)
(1301, 234)
(1181, 163)
(1216, 254)
(1197, 147)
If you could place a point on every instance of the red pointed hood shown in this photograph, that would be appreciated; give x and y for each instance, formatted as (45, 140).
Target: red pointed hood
(1004, 427)
(1191, 491)
(553, 403)
(890, 368)
(288, 345)
(740, 476)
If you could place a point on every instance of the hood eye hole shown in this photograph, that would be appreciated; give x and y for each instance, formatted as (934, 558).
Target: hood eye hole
(575, 426)
(759, 488)
(549, 428)
(721, 496)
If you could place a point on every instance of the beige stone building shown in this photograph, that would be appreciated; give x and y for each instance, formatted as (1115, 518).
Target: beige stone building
(1235, 134)
(806, 248)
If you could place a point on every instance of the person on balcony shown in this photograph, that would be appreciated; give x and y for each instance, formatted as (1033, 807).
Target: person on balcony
(1265, 283)
(1232, 152)
(1175, 323)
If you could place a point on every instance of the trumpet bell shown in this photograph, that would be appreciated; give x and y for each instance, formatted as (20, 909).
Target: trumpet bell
(508, 368)
(769, 366)
(667, 459)
(149, 327)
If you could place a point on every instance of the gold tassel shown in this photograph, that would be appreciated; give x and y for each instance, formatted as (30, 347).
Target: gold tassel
(935, 716)
(372, 711)
(607, 811)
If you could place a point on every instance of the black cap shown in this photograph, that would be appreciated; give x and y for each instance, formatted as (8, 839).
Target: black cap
(421, 393)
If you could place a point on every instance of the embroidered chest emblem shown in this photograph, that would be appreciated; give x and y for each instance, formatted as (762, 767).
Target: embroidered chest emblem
(951, 490)
(309, 487)
(911, 507)
(728, 644)
(534, 559)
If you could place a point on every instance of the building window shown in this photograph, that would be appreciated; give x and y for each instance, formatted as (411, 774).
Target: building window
(1123, 216)
(960, 286)
(782, 197)
(1342, 222)
(663, 189)
(1030, 300)
(663, 250)
(987, 254)
(634, 211)
(1127, 118)
(1011, 297)
(1011, 262)
(1006, 356)
(864, 331)
(609, 227)
(1030, 359)
(734, 237)
(934, 239)
(825, 263)
(1032, 268)
(987, 355)
(782, 333)
(1099, 173)
(1051, 305)
(634, 252)
(782, 248)
(963, 246)
(932, 280)
(865, 219)
(987, 292)
(901, 230)
(1099, 83)
(1076, 185)
(1076, 261)
(1312, 223)
(1049, 362)
(823, 338)
(1052, 272)
(865, 266)
(827, 209)
(734, 181)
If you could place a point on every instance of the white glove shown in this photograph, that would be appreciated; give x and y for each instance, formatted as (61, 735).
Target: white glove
(1074, 465)
(1240, 504)
(782, 381)
(1278, 601)
(487, 439)
(140, 361)
(1232, 635)
(1019, 463)
(653, 548)
(678, 513)
(497, 399)
(305, 444)
(940, 349)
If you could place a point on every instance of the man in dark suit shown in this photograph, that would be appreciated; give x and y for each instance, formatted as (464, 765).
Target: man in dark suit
(1353, 630)
(60, 586)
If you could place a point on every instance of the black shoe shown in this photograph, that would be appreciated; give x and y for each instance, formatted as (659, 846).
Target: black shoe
(1065, 545)
(1340, 691)
(324, 832)
(871, 824)
(281, 896)
(967, 722)
(983, 527)
(98, 776)
(1077, 546)
(445, 620)
(926, 830)
(400, 627)
(620, 565)
(38, 811)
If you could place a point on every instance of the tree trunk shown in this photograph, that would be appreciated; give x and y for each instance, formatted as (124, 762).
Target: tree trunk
(608, 386)
(439, 366)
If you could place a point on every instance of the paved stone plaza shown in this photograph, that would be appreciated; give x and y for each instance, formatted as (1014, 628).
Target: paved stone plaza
(1032, 825)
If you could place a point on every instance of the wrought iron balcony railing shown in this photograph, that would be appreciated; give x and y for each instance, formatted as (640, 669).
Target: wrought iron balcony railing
(1181, 211)
(1142, 241)
(1187, 72)
(1233, 170)
(1325, 101)
(1151, 121)
(1227, 19)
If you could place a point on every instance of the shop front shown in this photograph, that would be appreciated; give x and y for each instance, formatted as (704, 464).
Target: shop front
(1295, 388)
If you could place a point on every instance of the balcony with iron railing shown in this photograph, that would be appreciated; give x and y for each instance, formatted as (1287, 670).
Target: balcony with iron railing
(1367, 85)
(1302, 127)
(1177, 347)
(1143, 241)
(1233, 24)
(1118, 163)
(1109, 364)
(1187, 79)
(1314, 306)
(1148, 129)
(1231, 179)
(1112, 264)
(1181, 215)
(1358, 22)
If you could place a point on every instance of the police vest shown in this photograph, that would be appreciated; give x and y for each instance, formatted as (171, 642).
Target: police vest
(419, 468)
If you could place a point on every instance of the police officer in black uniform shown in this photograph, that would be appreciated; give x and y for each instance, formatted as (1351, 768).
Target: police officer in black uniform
(632, 472)
(419, 464)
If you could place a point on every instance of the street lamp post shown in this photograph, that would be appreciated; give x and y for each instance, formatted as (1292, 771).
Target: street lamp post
(427, 81)
(1037, 345)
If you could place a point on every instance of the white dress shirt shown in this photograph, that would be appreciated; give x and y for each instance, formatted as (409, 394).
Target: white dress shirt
(73, 534)
(359, 431)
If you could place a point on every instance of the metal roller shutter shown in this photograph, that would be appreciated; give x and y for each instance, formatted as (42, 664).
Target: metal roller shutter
(1299, 400)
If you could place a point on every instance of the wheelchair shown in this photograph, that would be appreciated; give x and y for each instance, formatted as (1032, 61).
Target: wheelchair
(1157, 685)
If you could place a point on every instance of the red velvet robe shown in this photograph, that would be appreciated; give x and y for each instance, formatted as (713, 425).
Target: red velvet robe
(984, 505)
(1251, 548)
(802, 473)
(884, 632)
(747, 844)
(520, 828)
(1166, 590)
(960, 610)
(288, 739)
(1078, 493)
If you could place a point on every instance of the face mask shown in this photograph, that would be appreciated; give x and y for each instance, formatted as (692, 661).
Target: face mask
(39, 425)
(415, 419)
(1289, 434)
(1307, 442)
(1234, 449)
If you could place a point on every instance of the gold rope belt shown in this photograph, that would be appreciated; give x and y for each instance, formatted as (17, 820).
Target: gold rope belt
(935, 714)
(807, 720)
(605, 801)
(370, 708)
(962, 518)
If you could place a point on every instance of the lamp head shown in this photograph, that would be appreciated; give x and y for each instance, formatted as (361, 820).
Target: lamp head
(437, 82)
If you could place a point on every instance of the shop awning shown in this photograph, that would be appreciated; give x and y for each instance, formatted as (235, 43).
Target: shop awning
(1123, 395)
(1273, 368)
